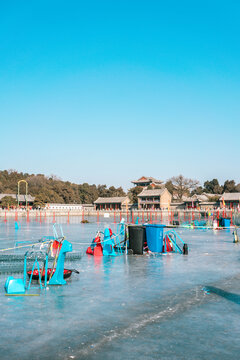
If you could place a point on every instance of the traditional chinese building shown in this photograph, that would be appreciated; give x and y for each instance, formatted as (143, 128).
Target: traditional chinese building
(112, 203)
(154, 199)
(202, 201)
(145, 181)
(56, 206)
(230, 200)
(23, 199)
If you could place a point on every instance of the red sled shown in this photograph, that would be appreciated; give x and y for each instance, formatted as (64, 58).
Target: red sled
(97, 249)
(66, 274)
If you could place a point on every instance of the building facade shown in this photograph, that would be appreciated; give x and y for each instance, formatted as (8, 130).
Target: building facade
(63, 206)
(203, 201)
(230, 200)
(23, 199)
(112, 203)
(154, 199)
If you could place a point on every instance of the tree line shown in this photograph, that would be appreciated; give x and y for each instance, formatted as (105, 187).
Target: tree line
(180, 186)
(51, 189)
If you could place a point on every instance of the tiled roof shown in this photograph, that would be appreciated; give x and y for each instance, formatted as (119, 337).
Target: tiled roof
(200, 198)
(230, 197)
(110, 200)
(147, 179)
(22, 198)
(14, 196)
(155, 192)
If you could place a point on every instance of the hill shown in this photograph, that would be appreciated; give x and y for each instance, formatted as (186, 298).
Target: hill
(54, 190)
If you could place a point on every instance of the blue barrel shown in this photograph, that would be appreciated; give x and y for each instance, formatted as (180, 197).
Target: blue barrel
(226, 222)
(154, 234)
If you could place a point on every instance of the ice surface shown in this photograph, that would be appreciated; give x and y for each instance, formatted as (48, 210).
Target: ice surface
(127, 307)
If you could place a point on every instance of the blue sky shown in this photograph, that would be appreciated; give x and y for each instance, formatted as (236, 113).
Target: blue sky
(108, 91)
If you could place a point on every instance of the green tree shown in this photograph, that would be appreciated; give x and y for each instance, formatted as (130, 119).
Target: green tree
(238, 188)
(198, 191)
(133, 193)
(229, 186)
(214, 198)
(103, 191)
(169, 185)
(213, 187)
(118, 192)
(8, 201)
(40, 201)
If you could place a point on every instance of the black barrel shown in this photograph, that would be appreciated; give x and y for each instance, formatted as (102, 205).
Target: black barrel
(185, 249)
(137, 238)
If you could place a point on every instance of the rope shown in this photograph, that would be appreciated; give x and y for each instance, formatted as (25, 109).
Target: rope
(11, 259)
(73, 242)
(23, 246)
(204, 227)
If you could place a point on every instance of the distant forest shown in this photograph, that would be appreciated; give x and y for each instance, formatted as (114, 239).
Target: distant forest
(180, 186)
(50, 189)
(53, 190)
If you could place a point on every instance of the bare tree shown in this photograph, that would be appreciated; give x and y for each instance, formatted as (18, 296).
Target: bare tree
(183, 186)
(54, 177)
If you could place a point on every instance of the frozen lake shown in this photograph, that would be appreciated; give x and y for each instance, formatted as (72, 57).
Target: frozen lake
(128, 307)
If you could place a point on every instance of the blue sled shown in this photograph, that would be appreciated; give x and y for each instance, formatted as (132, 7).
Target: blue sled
(57, 278)
(14, 286)
(108, 244)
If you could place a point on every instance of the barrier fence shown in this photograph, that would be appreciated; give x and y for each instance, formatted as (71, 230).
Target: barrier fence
(175, 217)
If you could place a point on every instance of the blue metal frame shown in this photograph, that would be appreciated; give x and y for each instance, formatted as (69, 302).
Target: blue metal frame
(112, 245)
(43, 239)
(173, 236)
(36, 262)
(119, 238)
(56, 228)
(58, 276)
